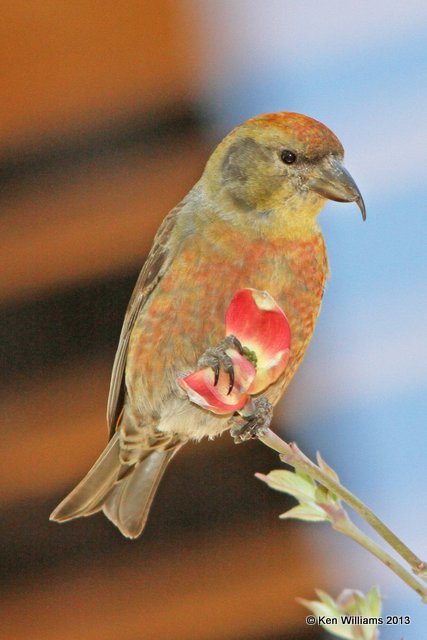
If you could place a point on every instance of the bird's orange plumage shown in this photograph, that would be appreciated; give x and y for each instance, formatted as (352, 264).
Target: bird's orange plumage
(186, 314)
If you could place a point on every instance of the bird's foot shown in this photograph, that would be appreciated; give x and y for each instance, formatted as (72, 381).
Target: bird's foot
(244, 428)
(217, 357)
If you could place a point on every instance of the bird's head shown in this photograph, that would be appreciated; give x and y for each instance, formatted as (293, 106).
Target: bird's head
(283, 162)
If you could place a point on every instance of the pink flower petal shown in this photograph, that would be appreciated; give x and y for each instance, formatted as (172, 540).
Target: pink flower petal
(266, 375)
(202, 391)
(259, 323)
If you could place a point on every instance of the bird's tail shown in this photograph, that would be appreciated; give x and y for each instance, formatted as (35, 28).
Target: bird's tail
(124, 493)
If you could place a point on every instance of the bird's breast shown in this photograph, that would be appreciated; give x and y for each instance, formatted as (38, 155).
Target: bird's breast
(186, 313)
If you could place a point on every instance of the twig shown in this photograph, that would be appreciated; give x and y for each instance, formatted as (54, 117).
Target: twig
(292, 455)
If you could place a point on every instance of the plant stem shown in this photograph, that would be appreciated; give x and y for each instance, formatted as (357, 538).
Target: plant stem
(342, 523)
(292, 455)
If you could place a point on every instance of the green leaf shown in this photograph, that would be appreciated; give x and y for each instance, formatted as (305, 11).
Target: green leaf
(305, 476)
(327, 599)
(307, 512)
(349, 602)
(370, 605)
(299, 487)
(374, 602)
(326, 468)
(322, 609)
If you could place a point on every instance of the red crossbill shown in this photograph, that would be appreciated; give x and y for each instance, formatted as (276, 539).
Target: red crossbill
(250, 221)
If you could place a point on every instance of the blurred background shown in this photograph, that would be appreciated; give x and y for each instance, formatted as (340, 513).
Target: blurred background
(108, 113)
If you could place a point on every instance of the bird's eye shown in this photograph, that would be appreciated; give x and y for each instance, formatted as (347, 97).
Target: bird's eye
(288, 157)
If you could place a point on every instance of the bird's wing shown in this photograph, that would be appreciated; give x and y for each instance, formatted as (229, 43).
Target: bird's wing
(152, 272)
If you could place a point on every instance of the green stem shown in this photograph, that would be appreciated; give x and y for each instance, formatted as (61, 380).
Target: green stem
(344, 525)
(291, 454)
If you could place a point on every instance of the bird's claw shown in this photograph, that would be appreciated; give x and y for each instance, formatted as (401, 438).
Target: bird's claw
(216, 357)
(244, 428)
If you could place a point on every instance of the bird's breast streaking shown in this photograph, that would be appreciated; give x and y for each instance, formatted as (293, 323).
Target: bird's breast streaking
(292, 271)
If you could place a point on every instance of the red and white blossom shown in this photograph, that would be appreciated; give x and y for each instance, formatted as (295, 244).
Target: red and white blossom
(261, 326)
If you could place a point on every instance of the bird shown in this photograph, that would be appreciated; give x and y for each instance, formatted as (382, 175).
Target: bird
(251, 221)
